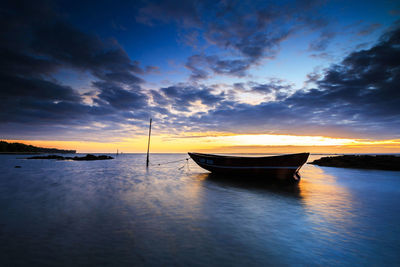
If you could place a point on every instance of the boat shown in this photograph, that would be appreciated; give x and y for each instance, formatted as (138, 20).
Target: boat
(281, 168)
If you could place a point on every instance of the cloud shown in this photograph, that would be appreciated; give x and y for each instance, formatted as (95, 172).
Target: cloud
(197, 64)
(273, 86)
(152, 69)
(322, 42)
(27, 99)
(358, 96)
(120, 98)
(248, 31)
(36, 43)
(181, 97)
(256, 29)
(202, 65)
(235, 67)
(185, 12)
(369, 29)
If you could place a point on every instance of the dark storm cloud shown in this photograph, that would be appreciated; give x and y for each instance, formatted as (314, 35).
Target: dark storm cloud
(35, 43)
(359, 95)
(252, 31)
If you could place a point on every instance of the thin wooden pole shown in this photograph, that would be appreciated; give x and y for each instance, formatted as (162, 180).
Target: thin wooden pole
(148, 146)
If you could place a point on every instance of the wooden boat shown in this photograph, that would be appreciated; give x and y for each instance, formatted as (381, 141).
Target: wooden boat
(282, 167)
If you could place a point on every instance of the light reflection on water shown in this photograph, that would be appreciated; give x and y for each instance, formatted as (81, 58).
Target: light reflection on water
(117, 213)
(325, 201)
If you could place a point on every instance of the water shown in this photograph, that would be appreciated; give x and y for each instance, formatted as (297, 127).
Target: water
(116, 213)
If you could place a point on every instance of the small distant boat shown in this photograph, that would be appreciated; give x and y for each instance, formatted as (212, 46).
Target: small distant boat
(282, 167)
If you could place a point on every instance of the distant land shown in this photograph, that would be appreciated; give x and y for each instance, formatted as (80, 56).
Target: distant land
(377, 162)
(88, 157)
(19, 148)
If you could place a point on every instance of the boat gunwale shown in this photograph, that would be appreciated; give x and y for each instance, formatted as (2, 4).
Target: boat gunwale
(238, 157)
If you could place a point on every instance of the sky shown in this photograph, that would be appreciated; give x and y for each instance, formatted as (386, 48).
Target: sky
(216, 76)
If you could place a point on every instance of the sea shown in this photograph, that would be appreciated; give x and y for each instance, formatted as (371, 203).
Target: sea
(120, 213)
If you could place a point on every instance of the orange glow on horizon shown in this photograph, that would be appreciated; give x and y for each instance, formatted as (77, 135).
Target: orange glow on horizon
(227, 143)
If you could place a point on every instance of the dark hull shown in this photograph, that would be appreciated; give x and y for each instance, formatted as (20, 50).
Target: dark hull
(283, 167)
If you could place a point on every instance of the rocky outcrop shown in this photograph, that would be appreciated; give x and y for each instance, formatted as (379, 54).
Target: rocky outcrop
(377, 162)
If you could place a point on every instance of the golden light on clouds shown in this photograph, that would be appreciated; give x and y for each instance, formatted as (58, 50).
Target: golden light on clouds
(284, 140)
(228, 143)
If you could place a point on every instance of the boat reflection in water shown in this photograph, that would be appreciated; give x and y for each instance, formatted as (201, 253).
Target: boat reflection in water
(253, 184)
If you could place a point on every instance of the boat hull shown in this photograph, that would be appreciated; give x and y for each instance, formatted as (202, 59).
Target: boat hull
(282, 168)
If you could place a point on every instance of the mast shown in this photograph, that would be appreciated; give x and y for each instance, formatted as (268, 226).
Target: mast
(148, 146)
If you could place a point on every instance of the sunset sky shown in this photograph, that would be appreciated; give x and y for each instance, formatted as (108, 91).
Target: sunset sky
(215, 76)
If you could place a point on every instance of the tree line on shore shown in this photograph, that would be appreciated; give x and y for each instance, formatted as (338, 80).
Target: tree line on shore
(6, 147)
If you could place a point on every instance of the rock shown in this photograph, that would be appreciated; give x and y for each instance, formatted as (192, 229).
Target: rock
(48, 157)
(93, 157)
(378, 162)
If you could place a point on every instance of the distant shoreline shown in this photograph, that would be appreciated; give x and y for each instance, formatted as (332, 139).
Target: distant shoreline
(21, 153)
(34, 153)
(19, 148)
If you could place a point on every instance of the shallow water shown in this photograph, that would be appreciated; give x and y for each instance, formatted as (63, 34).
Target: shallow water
(117, 213)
